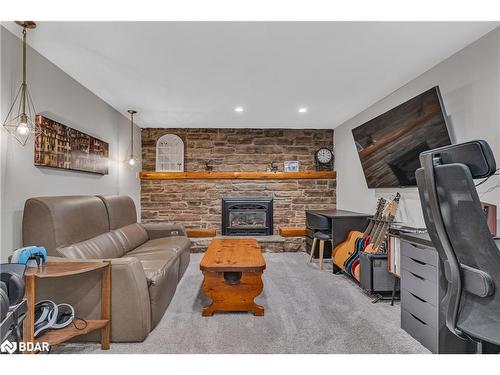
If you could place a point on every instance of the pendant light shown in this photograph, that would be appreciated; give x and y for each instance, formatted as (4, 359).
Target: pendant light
(131, 160)
(20, 120)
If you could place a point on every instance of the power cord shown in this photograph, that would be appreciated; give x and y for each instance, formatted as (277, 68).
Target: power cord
(487, 178)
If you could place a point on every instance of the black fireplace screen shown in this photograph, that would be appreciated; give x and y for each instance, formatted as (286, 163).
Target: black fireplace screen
(247, 216)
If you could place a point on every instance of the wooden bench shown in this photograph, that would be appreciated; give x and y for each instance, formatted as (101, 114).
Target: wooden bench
(201, 232)
(211, 232)
(292, 231)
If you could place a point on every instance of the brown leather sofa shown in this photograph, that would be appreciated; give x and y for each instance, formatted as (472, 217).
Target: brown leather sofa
(147, 260)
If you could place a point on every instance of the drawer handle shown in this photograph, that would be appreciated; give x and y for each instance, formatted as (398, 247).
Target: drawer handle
(417, 276)
(418, 261)
(418, 247)
(417, 297)
(420, 320)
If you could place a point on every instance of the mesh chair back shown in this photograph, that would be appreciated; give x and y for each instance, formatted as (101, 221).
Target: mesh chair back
(460, 233)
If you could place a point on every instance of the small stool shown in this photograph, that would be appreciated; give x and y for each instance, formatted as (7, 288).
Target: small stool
(322, 238)
(323, 232)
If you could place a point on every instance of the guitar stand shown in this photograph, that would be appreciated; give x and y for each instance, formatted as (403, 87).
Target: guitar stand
(392, 298)
(336, 270)
(380, 297)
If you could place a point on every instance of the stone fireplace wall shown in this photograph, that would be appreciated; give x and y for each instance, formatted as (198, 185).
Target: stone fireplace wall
(240, 149)
(197, 203)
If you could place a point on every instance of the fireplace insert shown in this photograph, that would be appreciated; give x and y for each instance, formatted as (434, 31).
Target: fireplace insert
(247, 216)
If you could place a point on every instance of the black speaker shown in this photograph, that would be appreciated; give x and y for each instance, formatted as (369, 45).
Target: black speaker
(4, 301)
(374, 277)
(12, 278)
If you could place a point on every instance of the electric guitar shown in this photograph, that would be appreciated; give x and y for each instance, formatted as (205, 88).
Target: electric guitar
(373, 245)
(388, 217)
(361, 242)
(344, 250)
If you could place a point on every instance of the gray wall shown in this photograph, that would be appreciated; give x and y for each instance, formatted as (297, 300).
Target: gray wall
(63, 99)
(470, 85)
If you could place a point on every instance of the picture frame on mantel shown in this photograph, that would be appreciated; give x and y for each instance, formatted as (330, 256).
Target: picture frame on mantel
(291, 166)
(60, 146)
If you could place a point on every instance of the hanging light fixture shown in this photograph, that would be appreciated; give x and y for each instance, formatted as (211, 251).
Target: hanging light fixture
(20, 123)
(131, 160)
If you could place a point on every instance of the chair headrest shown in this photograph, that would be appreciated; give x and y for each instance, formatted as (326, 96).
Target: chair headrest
(476, 155)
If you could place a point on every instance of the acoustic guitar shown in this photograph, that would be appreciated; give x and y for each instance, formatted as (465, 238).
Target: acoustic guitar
(373, 246)
(344, 250)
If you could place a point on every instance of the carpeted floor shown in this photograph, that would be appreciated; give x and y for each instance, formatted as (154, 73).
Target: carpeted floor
(306, 311)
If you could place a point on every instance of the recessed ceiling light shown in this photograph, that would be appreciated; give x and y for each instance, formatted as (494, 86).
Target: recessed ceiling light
(302, 110)
(239, 109)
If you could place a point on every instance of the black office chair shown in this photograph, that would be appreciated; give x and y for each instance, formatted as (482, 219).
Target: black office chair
(458, 229)
(323, 232)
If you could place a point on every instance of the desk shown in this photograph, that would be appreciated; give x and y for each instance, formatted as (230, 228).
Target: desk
(342, 223)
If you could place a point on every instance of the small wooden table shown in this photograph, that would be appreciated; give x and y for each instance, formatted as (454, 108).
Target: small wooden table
(232, 270)
(61, 269)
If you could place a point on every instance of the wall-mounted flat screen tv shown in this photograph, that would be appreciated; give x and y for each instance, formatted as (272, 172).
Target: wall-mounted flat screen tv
(390, 144)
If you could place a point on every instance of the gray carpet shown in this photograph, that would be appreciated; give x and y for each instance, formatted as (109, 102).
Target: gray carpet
(306, 311)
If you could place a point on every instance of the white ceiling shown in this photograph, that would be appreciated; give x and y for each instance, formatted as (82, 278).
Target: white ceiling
(193, 74)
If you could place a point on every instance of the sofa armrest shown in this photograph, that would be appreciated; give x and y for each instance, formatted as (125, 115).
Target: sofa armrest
(130, 304)
(159, 230)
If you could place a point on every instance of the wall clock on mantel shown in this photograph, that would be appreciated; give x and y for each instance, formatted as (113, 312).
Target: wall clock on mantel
(324, 159)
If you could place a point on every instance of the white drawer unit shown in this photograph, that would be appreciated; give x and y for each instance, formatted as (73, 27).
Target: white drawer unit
(421, 316)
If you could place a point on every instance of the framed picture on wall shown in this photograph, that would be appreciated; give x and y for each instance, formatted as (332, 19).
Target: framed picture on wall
(59, 146)
(291, 166)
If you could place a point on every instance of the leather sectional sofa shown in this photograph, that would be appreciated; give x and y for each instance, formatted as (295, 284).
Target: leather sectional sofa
(147, 260)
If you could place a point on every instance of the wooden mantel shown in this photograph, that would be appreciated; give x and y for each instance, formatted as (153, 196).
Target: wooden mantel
(222, 175)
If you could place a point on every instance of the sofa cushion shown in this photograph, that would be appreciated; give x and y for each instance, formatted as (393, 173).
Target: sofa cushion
(121, 210)
(184, 259)
(163, 255)
(131, 236)
(162, 273)
(163, 229)
(178, 244)
(104, 246)
(55, 222)
(155, 267)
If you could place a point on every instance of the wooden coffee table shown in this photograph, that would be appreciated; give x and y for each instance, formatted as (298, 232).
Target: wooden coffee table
(232, 270)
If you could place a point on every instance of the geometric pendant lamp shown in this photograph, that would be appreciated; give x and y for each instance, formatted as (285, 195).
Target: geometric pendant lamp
(20, 120)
